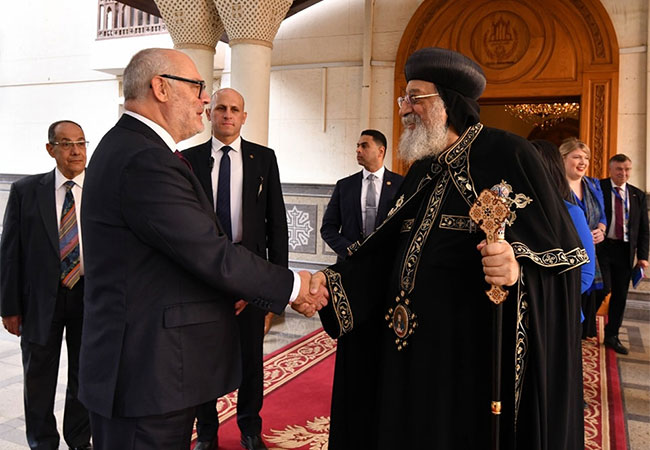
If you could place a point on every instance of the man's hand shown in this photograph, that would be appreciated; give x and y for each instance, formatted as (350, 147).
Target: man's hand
(642, 263)
(598, 235)
(313, 293)
(239, 306)
(499, 263)
(12, 324)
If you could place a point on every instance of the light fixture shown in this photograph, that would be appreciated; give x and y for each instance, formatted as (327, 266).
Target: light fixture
(544, 115)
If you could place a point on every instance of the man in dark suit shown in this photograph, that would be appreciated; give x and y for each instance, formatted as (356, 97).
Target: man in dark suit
(42, 284)
(160, 335)
(353, 211)
(258, 222)
(626, 237)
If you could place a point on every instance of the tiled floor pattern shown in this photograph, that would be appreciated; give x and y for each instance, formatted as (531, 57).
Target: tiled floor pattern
(634, 369)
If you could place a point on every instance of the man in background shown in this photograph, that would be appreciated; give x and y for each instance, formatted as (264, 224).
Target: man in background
(42, 286)
(242, 180)
(361, 201)
(626, 237)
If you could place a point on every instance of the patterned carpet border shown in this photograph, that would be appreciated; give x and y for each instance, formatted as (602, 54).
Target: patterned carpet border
(594, 373)
(284, 365)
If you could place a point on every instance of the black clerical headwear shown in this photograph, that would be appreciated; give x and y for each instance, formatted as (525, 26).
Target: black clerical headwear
(459, 80)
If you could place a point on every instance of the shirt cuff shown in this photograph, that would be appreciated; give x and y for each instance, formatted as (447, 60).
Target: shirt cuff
(296, 287)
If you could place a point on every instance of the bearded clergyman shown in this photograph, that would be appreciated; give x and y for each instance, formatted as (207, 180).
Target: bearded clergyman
(409, 308)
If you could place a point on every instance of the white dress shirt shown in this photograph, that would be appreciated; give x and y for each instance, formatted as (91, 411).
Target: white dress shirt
(626, 211)
(59, 195)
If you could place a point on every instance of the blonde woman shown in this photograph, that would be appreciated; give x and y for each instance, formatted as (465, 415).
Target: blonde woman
(588, 195)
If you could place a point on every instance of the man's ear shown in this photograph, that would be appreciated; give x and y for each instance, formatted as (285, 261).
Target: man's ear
(382, 150)
(160, 89)
(50, 149)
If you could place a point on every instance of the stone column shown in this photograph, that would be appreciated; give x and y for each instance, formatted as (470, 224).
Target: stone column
(251, 26)
(195, 28)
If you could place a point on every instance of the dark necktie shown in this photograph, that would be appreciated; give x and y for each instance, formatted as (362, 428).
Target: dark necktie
(69, 240)
(618, 214)
(223, 192)
(371, 205)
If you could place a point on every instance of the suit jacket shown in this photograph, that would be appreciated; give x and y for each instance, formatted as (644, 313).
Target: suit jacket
(30, 266)
(637, 224)
(263, 212)
(342, 223)
(159, 326)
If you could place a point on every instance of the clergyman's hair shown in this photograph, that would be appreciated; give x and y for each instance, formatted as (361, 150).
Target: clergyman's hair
(51, 131)
(376, 136)
(143, 66)
(573, 143)
(619, 158)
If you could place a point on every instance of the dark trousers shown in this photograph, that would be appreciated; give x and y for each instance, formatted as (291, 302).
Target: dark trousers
(616, 270)
(251, 389)
(41, 369)
(171, 431)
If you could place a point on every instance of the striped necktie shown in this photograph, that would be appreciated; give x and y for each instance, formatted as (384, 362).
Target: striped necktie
(69, 240)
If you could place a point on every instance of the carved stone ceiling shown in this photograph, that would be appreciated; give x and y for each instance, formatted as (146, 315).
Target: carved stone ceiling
(150, 6)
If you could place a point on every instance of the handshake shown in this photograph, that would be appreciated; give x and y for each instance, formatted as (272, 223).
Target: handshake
(313, 293)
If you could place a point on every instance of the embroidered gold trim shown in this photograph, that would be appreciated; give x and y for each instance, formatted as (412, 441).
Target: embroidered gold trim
(407, 225)
(340, 301)
(458, 160)
(353, 247)
(458, 223)
(521, 341)
(410, 264)
(552, 258)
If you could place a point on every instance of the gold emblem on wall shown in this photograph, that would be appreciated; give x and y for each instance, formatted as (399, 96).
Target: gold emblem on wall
(500, 39)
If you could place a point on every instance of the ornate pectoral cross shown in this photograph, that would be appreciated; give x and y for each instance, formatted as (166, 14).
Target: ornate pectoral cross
(491, 212)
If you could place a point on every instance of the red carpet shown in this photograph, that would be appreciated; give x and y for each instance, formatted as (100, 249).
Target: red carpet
(296, 399)
(604, 418)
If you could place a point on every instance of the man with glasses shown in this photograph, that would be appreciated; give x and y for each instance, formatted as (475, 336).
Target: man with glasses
(415, 289)
(242, 181)
(42, 286)
(160, 335)
(361, 201)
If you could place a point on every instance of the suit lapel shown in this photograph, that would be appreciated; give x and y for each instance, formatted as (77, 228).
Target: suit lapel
(204, 170)
(253, 183)
(387, 192)
(356, 198)
(47, 207)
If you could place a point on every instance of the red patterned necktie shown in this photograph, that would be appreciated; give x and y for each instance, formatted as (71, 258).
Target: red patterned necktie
(69, 240)
(618, 214)
(180, 156)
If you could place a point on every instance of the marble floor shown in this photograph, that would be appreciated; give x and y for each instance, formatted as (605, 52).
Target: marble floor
(634, 369)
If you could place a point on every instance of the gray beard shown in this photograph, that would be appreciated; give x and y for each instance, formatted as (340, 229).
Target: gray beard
(422, 141)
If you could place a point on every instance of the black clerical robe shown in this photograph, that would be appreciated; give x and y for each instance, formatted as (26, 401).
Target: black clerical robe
(413, 368)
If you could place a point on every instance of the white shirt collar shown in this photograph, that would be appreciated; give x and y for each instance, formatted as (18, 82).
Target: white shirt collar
(379, 173)
(60, 179)
(160, 131)
(623, 186)
(234, 145)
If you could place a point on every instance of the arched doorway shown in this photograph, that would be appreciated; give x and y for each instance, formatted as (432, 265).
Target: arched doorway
(529, 50)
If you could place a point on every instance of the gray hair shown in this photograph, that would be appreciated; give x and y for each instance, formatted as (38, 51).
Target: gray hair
(143, 66)
(51, 131)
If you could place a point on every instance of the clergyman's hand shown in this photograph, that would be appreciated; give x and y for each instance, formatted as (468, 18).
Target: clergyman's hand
(12, 324)
(313, 293)
(499, 263)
